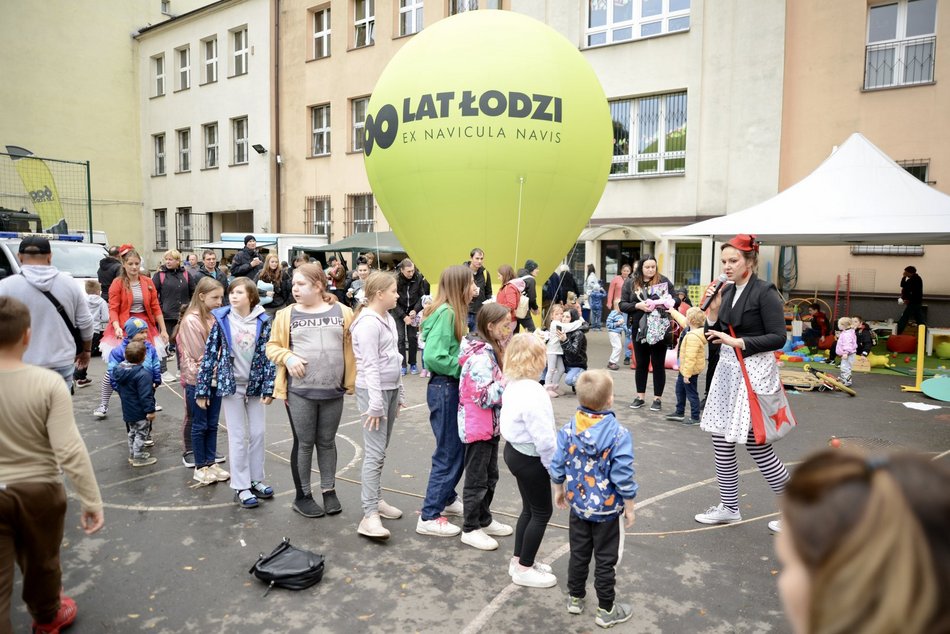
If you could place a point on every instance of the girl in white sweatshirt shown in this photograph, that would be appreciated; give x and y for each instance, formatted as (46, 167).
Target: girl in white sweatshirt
(527, 425)
(379, 393)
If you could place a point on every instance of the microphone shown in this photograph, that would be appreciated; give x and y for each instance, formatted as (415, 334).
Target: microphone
(722, 280)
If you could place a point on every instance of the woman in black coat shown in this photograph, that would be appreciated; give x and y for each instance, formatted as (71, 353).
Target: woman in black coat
(411, 286)
(647, 284)
(754, 311)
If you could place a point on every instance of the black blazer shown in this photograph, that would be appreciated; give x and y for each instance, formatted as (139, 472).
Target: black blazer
(758, 316)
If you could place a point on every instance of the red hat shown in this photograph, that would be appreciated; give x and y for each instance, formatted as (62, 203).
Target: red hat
(745, 242)
(125, 248)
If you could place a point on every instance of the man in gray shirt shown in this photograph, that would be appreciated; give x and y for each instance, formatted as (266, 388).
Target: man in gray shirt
(52, 344)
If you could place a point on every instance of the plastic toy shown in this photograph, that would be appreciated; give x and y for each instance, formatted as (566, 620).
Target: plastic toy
(835, 442)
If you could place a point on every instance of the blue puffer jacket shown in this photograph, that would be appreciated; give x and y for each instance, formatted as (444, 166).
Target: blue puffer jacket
(596, 465)
(217, 361)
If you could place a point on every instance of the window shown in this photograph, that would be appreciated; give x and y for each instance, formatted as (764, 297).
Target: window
(184, 222)
(364, 23)
(610, 21)
(184, 150)
(209, 49)
(161, 231)
(239, 136)
(649, 135)
(166, 7)
(359, 214)
(183, 56)
(901, 43)
(158, 142)
(359, 120)
(460, 6)
(410, 16)
(918, 168)
(321, 33)
(317, 215)
(320, 141)
(210, 133)
(687, 263)
(158, 75)
(240, 51)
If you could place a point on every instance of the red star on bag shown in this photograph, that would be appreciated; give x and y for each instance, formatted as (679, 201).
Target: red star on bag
(780, 417)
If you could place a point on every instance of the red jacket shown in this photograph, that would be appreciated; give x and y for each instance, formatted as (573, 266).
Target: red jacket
(120, 301)
(510, 295)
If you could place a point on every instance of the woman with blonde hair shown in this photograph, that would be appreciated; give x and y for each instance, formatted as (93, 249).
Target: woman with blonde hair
(444, 324)
(864, 545)
(311, 346)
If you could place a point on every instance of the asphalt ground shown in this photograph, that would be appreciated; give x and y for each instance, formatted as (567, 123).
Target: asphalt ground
(172, 558)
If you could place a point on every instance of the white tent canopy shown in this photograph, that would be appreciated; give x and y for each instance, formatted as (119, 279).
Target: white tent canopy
(858, 195)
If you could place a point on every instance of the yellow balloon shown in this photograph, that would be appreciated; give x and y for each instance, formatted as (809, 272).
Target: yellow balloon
(489, 129)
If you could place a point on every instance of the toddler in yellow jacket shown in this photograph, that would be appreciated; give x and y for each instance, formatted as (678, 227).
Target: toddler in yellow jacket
(692, 361)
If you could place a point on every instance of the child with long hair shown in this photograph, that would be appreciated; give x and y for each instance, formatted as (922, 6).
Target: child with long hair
(274, 285)
(202, 432)
(527, 425)
(311, 347)
(379, 393)
(445, 323)
(480, 388)
(235, 364)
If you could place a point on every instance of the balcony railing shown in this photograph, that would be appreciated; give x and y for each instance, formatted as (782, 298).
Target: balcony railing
(900, 63)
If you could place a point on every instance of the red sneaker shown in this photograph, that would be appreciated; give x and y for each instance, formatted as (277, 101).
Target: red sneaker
(64, 618)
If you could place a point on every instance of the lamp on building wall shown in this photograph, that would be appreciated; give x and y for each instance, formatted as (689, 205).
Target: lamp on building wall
(260, 149)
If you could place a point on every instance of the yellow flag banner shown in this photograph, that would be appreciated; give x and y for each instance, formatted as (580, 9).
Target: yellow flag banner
(39, 184)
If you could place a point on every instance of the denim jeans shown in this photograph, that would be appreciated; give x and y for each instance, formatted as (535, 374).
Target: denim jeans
(686, 391)
(67, 372)
(204, 426)
(571, 376)
(442, 396)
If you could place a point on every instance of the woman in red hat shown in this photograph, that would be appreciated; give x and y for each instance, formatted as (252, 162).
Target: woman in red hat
(755, 311)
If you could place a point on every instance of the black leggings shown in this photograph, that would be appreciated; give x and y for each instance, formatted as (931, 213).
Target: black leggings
(644, 355)
(534, 484)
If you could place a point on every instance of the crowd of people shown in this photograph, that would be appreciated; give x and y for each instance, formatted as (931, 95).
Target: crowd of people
(312, 334)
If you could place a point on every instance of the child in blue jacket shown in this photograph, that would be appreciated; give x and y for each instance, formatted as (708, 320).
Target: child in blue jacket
(593, 472)
(596, 300)
(134, 385)
(135, 330)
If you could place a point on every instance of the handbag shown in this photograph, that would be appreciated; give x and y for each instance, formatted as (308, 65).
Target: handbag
(288, 567)
(771, 415)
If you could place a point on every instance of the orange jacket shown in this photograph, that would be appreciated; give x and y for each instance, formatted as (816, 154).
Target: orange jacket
(120, 301)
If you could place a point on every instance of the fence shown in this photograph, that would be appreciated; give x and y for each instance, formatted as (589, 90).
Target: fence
(56, 190)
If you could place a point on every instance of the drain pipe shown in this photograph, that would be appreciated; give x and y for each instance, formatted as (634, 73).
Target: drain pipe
(276, 141)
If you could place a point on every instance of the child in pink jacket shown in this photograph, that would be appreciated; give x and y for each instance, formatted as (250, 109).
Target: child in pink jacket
(846, 347)
(481, 385)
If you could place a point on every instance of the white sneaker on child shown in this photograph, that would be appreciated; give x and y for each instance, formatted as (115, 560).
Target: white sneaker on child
(533, 578)
(497, 529)
(513, 566)
(478, 539)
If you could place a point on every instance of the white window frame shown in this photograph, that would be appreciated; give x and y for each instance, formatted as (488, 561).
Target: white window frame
(321, 37)
(183, 60)
(158, 72)
(158, 150)
(318, 215)
(365, 24)
(184, 149)
(320, 129)
(363, 216)
(410, 16)
(629, 163)
(166, 7)
(900, 48)
(239, 145)
(210, 64)
(209, 133)
(358, 123)
(638, 26)
(161, 228)
(461, 6)
(240, 51)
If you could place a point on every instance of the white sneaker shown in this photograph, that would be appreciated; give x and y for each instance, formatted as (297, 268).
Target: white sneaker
(533, 578)
(203, 476)
(718, 515)
(168, 377)
(372, 527)
(100, 412)
(513, 567)
(218, 473)
(478, 539)
(158, 407)
(388, 511)
(497, 529)
(775, 526)
(439, 527)
(455, 508)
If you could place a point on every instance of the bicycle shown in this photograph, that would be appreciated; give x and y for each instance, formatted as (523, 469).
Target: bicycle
(828, 381)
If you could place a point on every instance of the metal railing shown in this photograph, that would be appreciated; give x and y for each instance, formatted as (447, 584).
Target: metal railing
(899, 63)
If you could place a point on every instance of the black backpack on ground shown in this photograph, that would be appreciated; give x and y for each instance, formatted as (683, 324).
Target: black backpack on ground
(288, 567)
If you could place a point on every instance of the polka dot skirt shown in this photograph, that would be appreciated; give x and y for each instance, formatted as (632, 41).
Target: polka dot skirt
(727, 405)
